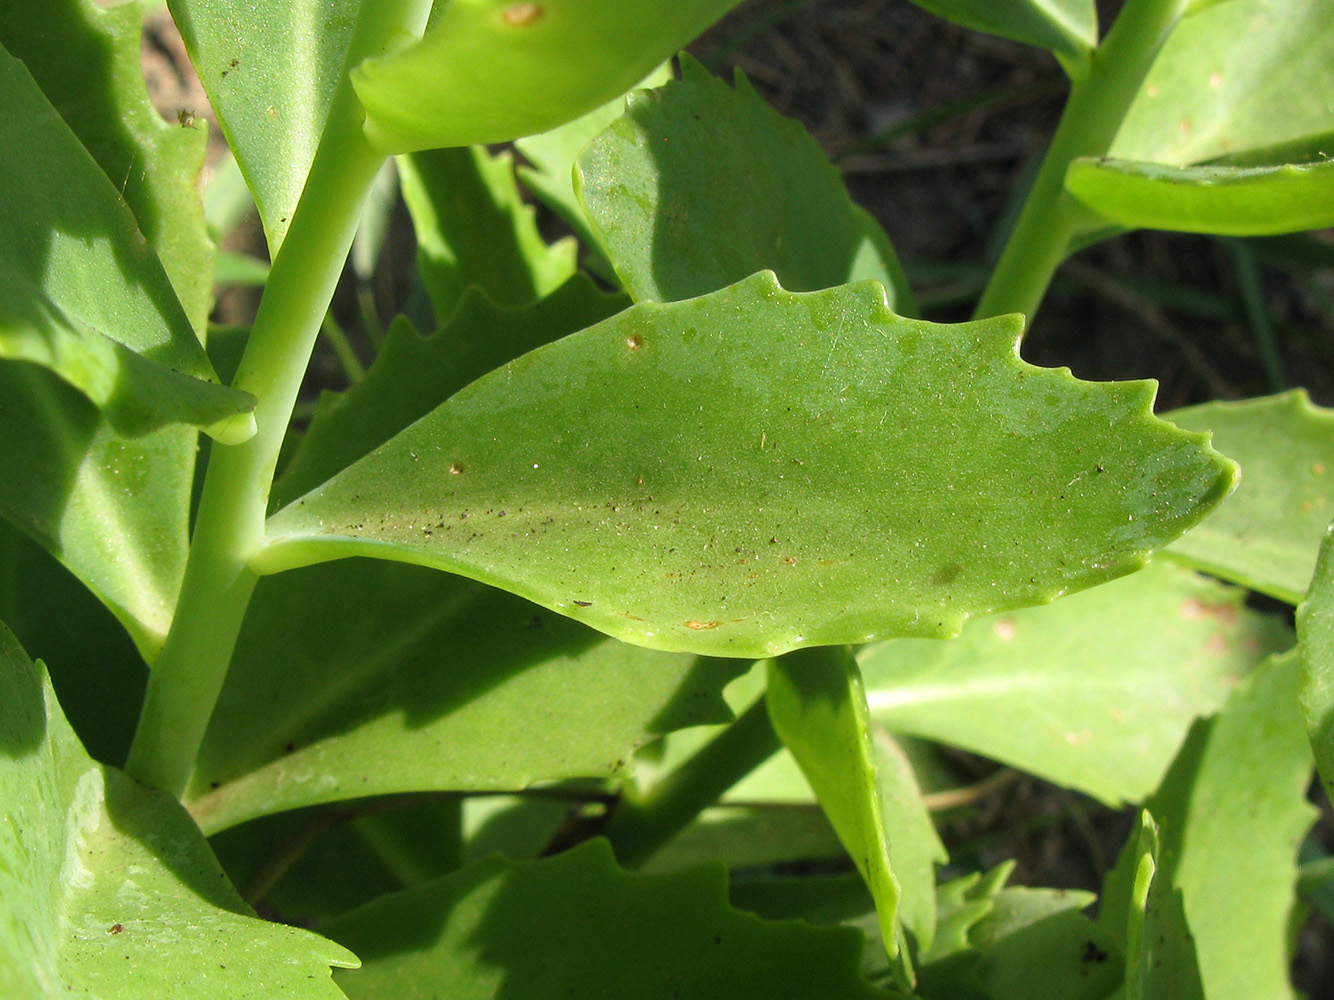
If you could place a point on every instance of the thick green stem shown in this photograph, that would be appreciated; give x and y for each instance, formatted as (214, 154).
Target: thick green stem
(639, 827)
(188, 674)
(1098, 104)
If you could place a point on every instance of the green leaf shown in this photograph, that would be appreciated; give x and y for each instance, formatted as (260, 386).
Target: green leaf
(398, 679)
(1232, 811)
(1066, 28)
(698, 186)
(1249, 80)
(473, 228)
(58, 620)
(112, 509)
(1218, 200)
(1017, 943)
(551, 156)
(494, 70)
(914, 846)
(1095, 692)
(1148, 922)
(576, 923)
(82, 293)
(757, 470)
(270, 68)
(414, 374)
(107, 889)
(1315, 629)
(87, 61)
(1267, 534)
(818, 708)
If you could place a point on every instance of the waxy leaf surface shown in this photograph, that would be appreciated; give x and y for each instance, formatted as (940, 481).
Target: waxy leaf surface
(1251, 81)
(1267, 534)
(113, 509)
(413, 374)
(1315, 629)
(490, 71)
(1218, 200)
(577, 924)
(757, 470)
(1231, 813)
(1094, 692)
(698, 186)
(109, 890)
(818, 707)
(87, 60)
(81, 292)
(474, 228)
(397, 679)
(1066, 28)
(271, 68)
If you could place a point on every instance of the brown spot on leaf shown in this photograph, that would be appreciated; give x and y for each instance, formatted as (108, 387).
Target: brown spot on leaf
(701, 626)
(522, 14)
(634, 341)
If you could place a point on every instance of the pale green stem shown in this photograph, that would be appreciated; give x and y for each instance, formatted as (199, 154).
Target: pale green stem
(1093, 115)
(188, 674)
(639, 827)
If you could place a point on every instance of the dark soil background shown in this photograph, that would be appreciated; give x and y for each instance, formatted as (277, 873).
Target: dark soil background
(934, 128)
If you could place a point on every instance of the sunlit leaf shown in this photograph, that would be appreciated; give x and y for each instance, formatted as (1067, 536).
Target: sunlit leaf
(549, 929)
(1217, 200)
(270, 68)
(414, 374)
(87, 61)
(1267, 534)
(1068, 28)
(494, 70)
(474, 229)
(398, 679)
(1231, 813)
(757, 470)
(113, 509)
(1315, 628)
(1249, 80)
(699, 185)
(108, 890)
(818, 707)
(1094, 692)
(81, 292)
(549, 172)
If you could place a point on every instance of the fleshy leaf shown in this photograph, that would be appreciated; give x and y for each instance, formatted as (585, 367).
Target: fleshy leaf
(1266, 536)
(270, 68)
(1315, 629)
(473, 228)
(540, 930)
(1149, 923)
(698, 186)
(757, 470)
(551, 156)
(818, 708)
(113, 509)
(914, 846)
(398, 679)
(1249, 80)
(414, 374)
(58, 620)
(81, 292)
(1066, 28)
(1217, 200)
(1094, 692)
(109, 890)
(87, 61)
(1231, 813)
(493, 70)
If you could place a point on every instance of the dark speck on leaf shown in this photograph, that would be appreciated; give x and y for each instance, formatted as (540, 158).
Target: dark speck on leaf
(946, 575)
(1092, 953)
(584, 604)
